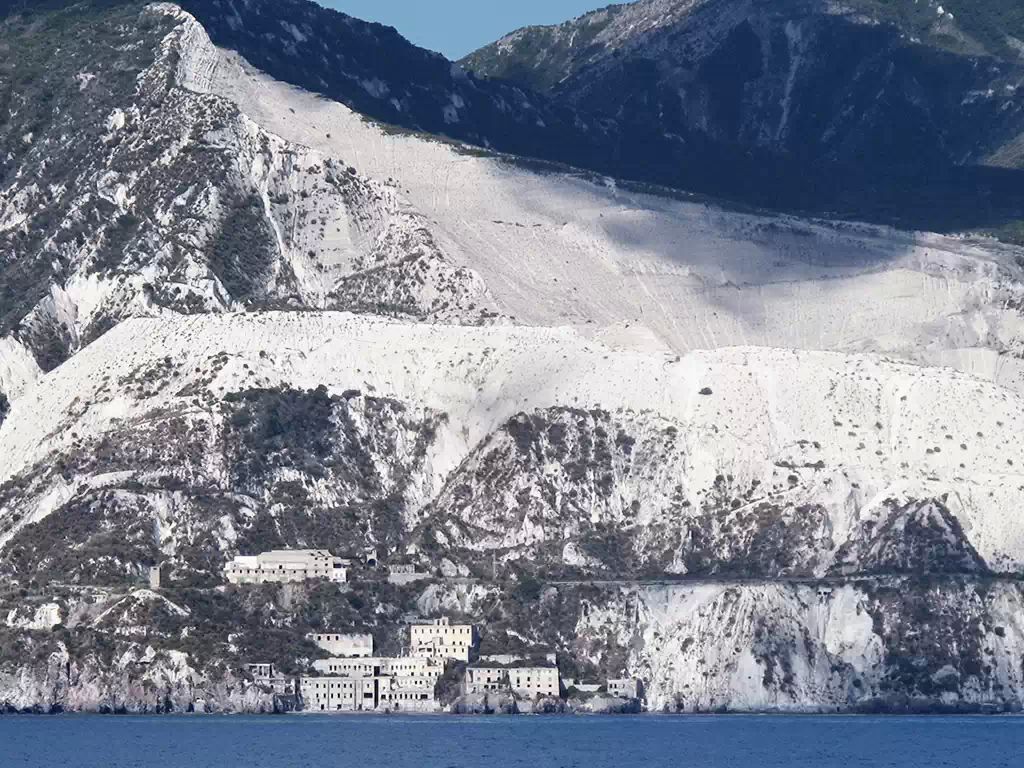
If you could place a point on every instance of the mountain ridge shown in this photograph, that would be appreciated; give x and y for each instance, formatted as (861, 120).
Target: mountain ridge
(856, 85)
(618, 424)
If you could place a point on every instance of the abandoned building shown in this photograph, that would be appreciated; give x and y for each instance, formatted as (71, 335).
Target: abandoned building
(286, 565)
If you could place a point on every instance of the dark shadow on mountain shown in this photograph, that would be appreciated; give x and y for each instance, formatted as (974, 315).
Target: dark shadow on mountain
(375, 71)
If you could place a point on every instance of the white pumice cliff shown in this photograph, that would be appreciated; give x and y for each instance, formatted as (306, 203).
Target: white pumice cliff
(761, 462)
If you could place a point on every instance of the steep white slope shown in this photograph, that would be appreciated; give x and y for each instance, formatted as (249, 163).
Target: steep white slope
(557, 249)
(777, 647)
(855, 435)
(18, 369)
(175, 201)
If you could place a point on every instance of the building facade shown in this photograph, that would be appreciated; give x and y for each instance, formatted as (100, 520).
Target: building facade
(342, 694)
(286, 565)
(343, 645)
(440, 639)
(261, 670)
(409, 700)
(627, 688)
(367, 692)
(406, 672)
(530, 682)
(405, 574)
(266, 676)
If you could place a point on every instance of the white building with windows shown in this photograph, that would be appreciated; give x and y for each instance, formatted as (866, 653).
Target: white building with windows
(342, 694)
(405, 574)
(440, 639)
(527, 681)
(626, 688)
(342, 645)
(286, 565)
(406, 672)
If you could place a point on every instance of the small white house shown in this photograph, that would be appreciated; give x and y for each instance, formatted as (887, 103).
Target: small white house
(626, 688)
(404, 574)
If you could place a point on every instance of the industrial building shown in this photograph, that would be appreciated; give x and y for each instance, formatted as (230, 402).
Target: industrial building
(286, 565)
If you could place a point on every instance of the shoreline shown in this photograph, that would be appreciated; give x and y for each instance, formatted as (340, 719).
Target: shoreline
(1018, 713)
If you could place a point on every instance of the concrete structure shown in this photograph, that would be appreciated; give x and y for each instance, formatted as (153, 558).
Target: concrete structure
(506, 659)
(261, 670)
(154, 578)
(628, 688)
(405, 574)
(343, 645)
(583, 687)
(528, 681)
(440, 639)
(406, 672)
(342, 694)
(409, 700)
(402, 684)
(287, 565)
(266, 675)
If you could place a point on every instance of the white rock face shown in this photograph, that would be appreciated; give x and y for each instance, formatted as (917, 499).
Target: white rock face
(772, 647)
(209, 211)
(18, 369)
(45, 617)
(576, 377)
(561, 250)
(851, 433)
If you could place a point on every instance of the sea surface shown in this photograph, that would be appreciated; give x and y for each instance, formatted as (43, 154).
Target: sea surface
(316, 741)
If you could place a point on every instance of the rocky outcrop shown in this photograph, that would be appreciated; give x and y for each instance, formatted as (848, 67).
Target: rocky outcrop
(887, 645)
(136, 192)
(135, 683)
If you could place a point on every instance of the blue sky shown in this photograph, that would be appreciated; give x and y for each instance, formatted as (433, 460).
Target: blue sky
(457, 27)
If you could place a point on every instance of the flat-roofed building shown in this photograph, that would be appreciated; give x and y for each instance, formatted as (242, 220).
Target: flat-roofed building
(363, 693)
(405, 574)
(486, 679)
(286, 565)
(627, 688)
(407, 672)
(409, 700)
(343, 645)
(342, 694)
(261, 670)
(440, 639)
(529, 681)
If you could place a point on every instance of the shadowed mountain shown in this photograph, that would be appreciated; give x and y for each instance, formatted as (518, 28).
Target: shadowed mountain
(870, 109)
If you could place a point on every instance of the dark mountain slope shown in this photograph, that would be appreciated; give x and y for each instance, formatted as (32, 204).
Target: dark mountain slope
(890, 99)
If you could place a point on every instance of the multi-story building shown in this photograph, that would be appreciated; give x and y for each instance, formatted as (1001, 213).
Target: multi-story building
(409, 700)
(286, 565)
(343, 645)
(342, 694)
(440, 639)
(407, 672)
(529, 681)
(486, 679)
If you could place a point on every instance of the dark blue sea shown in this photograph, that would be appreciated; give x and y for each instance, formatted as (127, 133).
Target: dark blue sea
(499, 742)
